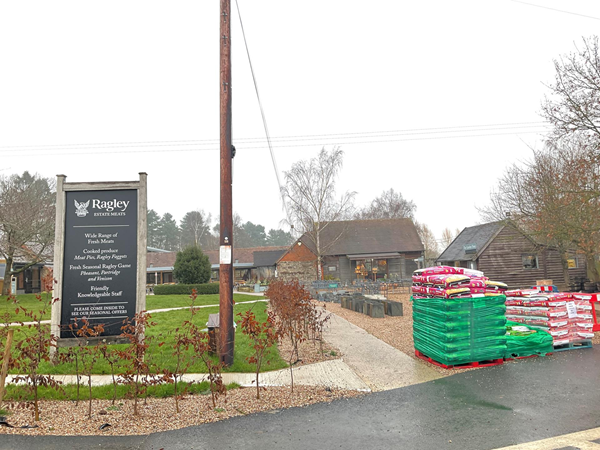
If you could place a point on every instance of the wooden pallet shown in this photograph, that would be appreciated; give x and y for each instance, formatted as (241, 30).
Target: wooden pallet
(587, 343)
(469, 365)
(526, 357)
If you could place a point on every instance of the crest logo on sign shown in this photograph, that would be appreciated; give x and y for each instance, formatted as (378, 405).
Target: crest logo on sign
(81, 208)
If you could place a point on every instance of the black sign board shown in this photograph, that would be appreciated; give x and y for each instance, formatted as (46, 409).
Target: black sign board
(100, 259)
(470, 248)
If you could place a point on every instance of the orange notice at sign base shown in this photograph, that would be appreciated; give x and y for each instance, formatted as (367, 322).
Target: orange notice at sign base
(225, 254)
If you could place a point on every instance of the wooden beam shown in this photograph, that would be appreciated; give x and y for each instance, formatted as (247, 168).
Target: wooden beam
(6, 358)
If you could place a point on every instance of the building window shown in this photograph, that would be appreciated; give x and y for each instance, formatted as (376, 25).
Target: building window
(530, 261)
(332, 268)
(241, 274)
(472, 265)
(370, 269)
(573, 263)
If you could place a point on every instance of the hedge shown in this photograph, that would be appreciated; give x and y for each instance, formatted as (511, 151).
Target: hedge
(186, 289)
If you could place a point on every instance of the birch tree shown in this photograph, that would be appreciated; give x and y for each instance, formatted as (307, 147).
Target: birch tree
(195, 229)
(312, 201)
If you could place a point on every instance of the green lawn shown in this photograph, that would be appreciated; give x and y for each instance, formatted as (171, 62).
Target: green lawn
(106, 392)
(30, 302)
(27, 301)
(163, 356)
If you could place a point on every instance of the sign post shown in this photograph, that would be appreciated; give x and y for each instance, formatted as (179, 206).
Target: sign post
(99, 256)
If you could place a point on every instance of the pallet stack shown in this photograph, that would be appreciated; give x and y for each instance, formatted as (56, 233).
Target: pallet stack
(525, 341)
(566, 316)
(458, 318)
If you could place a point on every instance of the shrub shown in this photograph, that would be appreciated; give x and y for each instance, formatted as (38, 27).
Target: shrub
(294, 315)
(34, 349)
(261, 336)
(191, 266)
(186, 289)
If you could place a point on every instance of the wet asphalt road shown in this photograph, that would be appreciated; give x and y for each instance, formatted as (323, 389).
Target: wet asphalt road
(481, 409)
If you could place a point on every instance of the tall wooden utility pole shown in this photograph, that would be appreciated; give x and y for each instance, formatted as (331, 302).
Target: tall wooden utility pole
(227, 335)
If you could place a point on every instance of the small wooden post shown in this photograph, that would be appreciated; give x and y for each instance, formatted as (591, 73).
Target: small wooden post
(4, 370)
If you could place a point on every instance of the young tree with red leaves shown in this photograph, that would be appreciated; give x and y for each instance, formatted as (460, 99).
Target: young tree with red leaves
(295, 316)
(262, 335)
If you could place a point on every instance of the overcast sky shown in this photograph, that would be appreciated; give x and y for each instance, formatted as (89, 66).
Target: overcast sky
(102, 90)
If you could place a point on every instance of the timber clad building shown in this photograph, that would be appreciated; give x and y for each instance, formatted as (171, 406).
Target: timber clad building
(506, 254)
(356, 250)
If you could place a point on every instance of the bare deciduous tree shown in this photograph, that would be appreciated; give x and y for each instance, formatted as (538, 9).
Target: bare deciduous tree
(573, 106)
(310, 192)
(240, 237)
(389, 205)
(448, 236)
(26, 222)
(431, 249)
(555, 198)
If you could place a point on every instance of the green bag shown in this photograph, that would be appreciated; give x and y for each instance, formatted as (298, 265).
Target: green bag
(519, 345)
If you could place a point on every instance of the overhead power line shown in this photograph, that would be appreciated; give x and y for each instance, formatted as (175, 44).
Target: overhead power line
(557, 10)
(262, 113)
(111, 150)
(517, 127)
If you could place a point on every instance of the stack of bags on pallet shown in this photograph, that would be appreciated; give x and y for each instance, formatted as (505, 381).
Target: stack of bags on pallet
(458, 316)
(525, 340)
(453, 282)
(566, 316)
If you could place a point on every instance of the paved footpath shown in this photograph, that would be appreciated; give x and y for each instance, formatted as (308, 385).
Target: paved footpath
(46, 322)
(334, 373)
(380, 365)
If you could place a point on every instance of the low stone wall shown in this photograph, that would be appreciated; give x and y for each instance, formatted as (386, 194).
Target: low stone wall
(296, 270)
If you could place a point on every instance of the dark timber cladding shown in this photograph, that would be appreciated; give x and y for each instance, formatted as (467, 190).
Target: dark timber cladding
(502, 260)
(100, 259)
(504, 253)
(226, 236)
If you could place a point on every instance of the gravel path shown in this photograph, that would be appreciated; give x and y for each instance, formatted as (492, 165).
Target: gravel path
(397, 331)
(68, 419)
